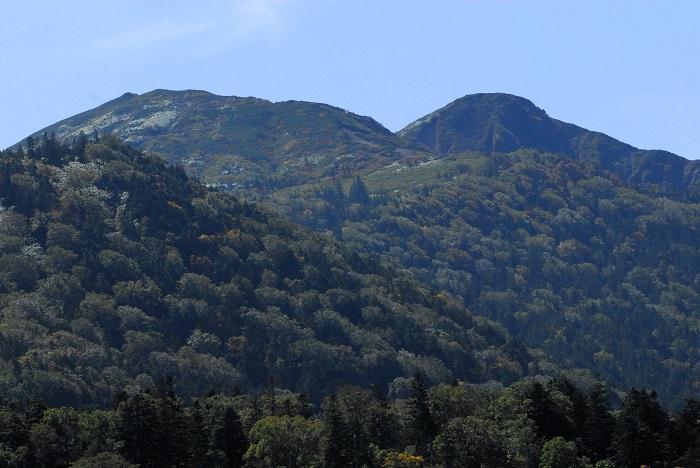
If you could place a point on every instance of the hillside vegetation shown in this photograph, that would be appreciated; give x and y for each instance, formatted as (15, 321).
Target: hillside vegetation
(117, 271)
(253, 147)
(599, 274)
(549, 423)
(575, 243)
(247, 146)
(504, 123)
(499, 275)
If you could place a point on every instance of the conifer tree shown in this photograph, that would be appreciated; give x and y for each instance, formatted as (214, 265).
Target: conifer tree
(550, 418)
(139, 430)
(641, 433)
(685, 433)
(423, 424)
(358, 192)
(335, 454)
(599, 426)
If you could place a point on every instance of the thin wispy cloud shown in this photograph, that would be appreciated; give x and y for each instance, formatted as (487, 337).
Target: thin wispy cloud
(211, 26)
(153, 34)
(256, 16)
(243, 21)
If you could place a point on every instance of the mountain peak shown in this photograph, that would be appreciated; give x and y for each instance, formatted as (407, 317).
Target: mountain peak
(502, 123)
(242, 144)
(488, 122)
(249, 145)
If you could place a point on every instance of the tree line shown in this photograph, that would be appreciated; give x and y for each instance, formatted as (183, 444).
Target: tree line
(539, 422)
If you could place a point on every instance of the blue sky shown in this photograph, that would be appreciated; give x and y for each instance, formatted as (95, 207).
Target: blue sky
(626, 68)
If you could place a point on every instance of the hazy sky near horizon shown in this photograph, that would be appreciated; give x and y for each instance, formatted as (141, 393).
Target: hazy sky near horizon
(629, 69)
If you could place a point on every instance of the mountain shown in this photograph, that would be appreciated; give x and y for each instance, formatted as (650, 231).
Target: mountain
(580, 246)
(486, 123)
(117, 271)
(253, 147)
(598, 273)
(244, 145)
(503, 123)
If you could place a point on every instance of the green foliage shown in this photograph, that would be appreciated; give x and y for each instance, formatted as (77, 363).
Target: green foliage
(245, 145)
(357, 427)
(284, 441)
(104, 459)
(422, 424)
(558, 453)
(471, 442)
(119, 272)
(357, 421)
(641, 434)
(598, 274)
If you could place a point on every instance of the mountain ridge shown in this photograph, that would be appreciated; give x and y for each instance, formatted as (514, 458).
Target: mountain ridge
(585, 247)
(500, 122)
(250, 146)
(245, 145)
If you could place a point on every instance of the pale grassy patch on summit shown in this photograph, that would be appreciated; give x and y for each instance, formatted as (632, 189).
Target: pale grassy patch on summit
(160, 119)
(100, 123)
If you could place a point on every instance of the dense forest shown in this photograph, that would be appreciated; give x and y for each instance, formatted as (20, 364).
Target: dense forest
(580, 247)
(117, 271)
(598, 273)
(149, 320)
(545, 423)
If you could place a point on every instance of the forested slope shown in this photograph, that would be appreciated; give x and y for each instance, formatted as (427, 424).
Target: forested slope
(247, 146)
(117, 271)
(582, 246)
(126, 284)
(600, 274)
(502, 123)
(253, 147)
